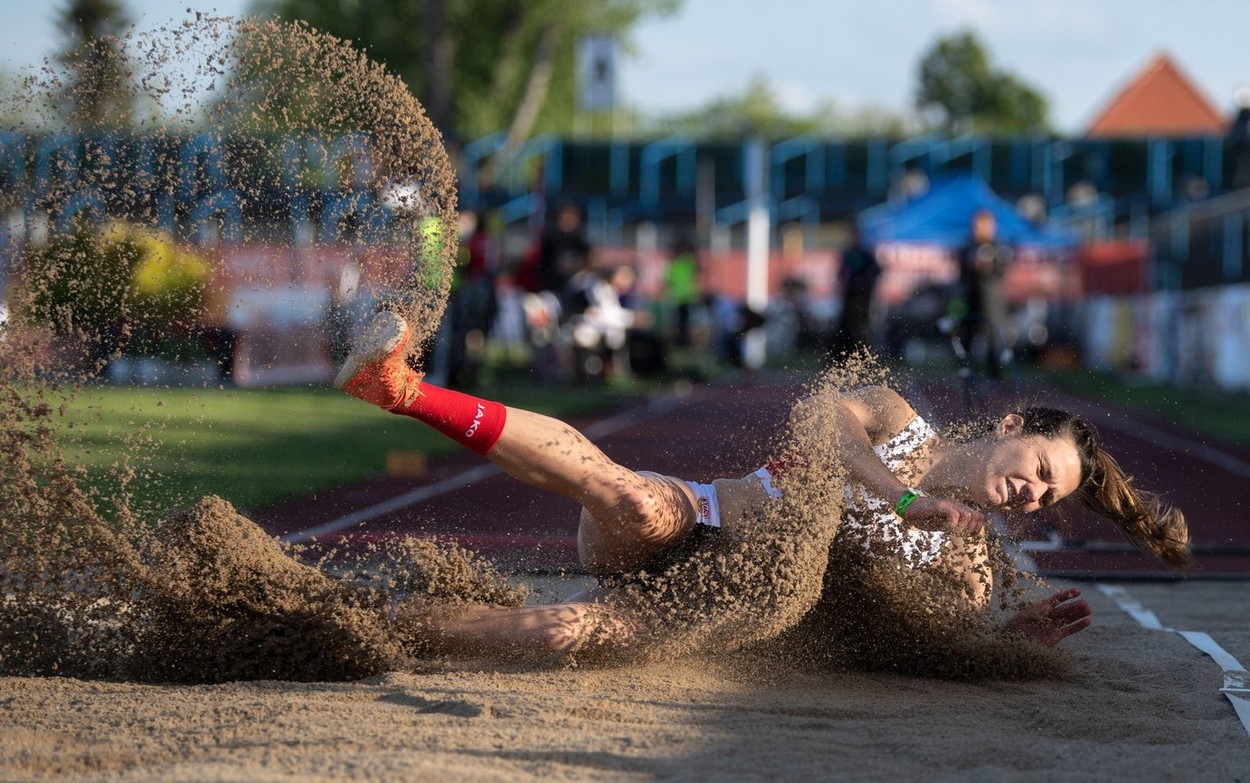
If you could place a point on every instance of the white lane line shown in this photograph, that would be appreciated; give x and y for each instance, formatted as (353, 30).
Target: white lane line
(461, 479)
(1144, 617)
(599, 429)
(1236, 680)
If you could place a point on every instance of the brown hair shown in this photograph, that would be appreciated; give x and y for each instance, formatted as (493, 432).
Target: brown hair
(1142, 516)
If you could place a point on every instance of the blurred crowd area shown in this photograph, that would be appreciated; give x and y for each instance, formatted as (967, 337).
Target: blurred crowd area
(261, 286)
(553, 305)
(547, 304)
(543, 301)
(593, 246)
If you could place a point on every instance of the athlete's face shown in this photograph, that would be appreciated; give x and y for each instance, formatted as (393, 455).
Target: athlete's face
(1029, 472)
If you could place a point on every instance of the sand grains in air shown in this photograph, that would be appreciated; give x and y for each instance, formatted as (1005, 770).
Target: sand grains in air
(91, 586)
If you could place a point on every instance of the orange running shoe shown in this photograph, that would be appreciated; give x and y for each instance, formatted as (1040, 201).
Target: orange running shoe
(377, 369)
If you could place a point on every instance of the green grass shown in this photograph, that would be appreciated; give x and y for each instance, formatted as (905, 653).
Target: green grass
(260, 447)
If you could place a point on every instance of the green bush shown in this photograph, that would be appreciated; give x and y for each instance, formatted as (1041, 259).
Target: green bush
(78, 282)
(167, 283)
(111, 284)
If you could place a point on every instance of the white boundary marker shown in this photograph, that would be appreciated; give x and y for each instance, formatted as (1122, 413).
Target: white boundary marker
(1236, 678)
(599, 429)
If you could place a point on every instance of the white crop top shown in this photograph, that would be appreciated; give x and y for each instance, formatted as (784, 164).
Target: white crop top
(873, 518)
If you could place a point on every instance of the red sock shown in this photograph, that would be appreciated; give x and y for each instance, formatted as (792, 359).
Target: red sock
(473, 423)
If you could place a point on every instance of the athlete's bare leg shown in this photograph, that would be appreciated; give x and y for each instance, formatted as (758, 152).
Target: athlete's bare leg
(628, 517)
(517, 631)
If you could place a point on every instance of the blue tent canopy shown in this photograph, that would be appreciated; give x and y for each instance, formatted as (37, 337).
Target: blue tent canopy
(943, 216)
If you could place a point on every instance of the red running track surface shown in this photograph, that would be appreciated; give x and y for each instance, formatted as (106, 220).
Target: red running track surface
(715, 431)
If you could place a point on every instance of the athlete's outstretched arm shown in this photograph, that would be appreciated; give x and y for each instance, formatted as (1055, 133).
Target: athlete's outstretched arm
(1053, 619)
(868, 416)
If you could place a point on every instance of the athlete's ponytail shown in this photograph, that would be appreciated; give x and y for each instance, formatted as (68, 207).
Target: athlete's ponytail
(1142, 516)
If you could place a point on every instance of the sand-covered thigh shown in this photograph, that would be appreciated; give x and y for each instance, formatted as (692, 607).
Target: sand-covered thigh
(1143, 705)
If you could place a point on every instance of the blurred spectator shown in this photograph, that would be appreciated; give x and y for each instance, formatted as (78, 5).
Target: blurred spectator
(858, 275)
(601, 325)
(681, 287)
(472, 305)
(218, 344)
(563, 251)
(509, 331)
(982, 266)
(732, 319)
(786, 317)
(442, 355)
(1239, 139)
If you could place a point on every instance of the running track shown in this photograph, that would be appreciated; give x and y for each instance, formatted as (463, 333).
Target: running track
(714, 431)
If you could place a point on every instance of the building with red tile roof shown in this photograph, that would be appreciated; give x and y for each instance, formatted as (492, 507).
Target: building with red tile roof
(1160, 101)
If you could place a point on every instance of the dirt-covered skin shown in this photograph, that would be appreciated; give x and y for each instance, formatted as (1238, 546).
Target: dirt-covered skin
(787, 586)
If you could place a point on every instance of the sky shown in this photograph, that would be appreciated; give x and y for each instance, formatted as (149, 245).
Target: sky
(859, 54)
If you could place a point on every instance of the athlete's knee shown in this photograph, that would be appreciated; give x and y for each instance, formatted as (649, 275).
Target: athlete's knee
(640, 503)
(651, 510)
(630, 522)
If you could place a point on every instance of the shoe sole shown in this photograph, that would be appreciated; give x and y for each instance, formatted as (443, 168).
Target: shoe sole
(384, 334)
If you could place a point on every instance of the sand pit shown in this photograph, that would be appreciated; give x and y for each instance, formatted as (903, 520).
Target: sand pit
(1142, 705)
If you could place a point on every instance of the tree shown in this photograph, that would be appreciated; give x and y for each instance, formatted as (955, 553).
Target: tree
(478, 66)
(23, 108)
(96, 91)
(758, 110)
(1018, 107)
(958, 80)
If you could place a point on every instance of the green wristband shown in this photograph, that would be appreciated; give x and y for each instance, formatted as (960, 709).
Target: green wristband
(906, 500)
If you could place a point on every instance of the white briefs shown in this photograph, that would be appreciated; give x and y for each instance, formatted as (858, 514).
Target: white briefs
(766, 478)
(706, 504)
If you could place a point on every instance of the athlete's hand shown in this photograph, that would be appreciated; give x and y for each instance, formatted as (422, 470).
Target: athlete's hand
(951, 516)
(1053, 620)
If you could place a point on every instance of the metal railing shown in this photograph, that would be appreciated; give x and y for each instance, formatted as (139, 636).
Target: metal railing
(811, 179)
